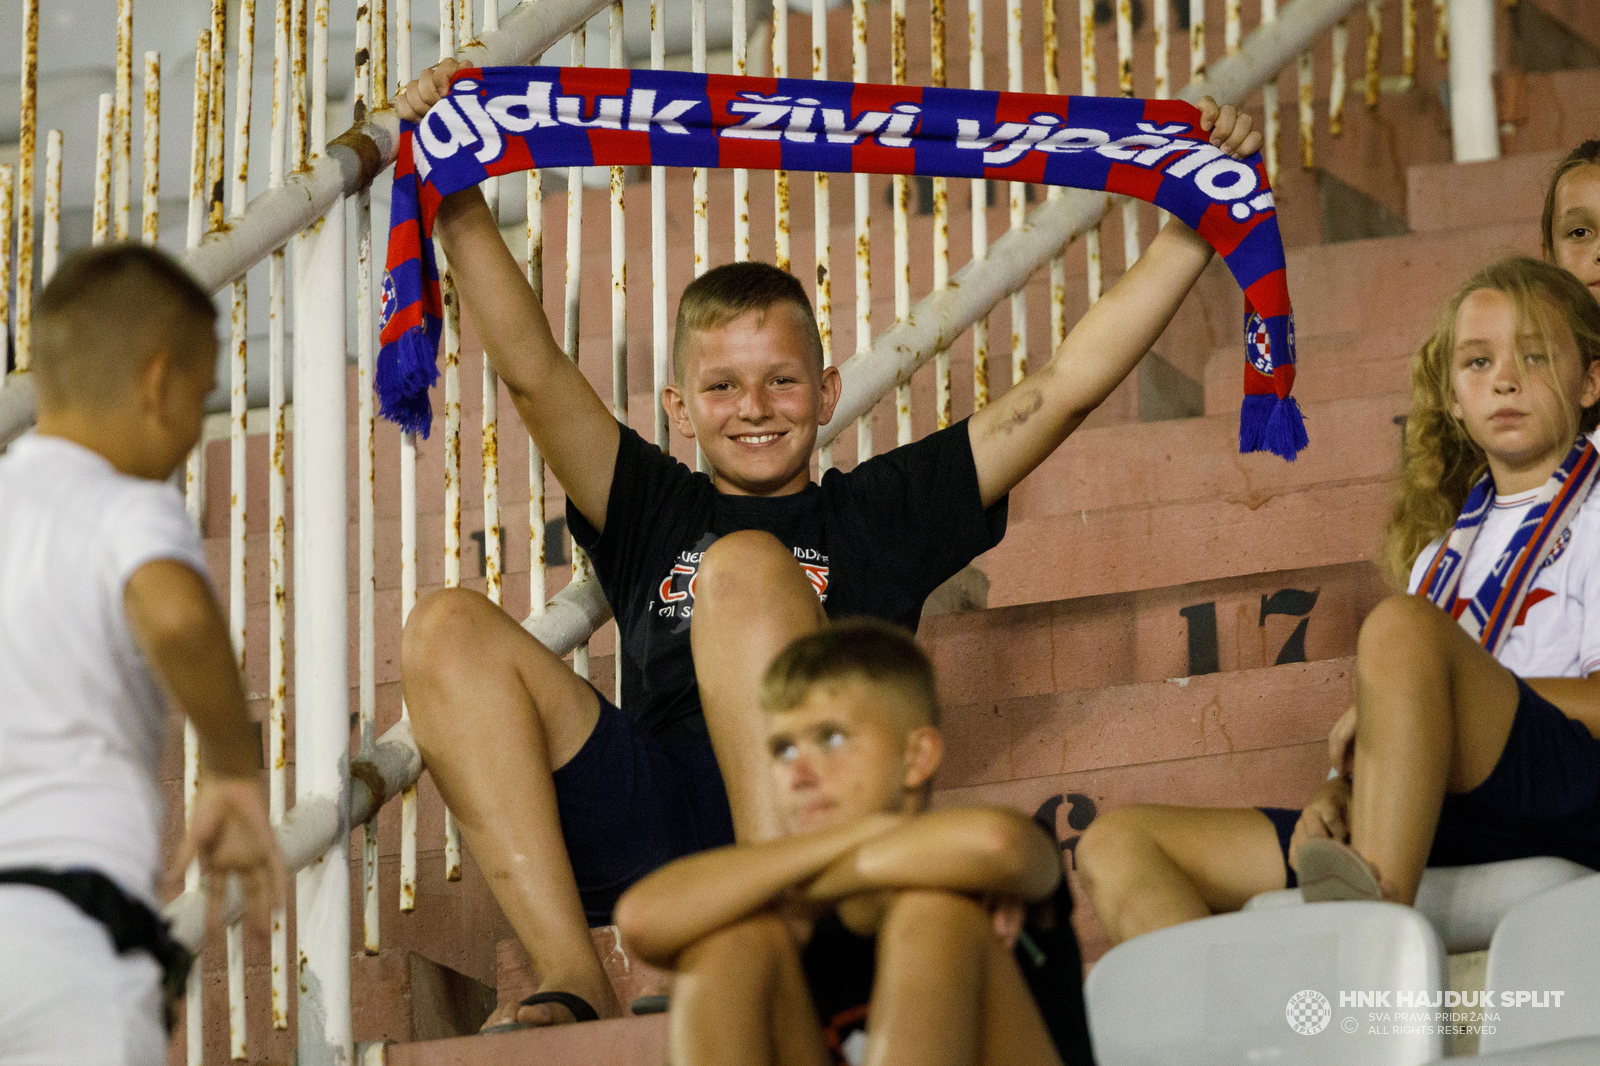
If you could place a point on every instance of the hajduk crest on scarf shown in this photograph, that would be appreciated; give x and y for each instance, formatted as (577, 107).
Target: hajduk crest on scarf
(499, 120)
(1488, 616)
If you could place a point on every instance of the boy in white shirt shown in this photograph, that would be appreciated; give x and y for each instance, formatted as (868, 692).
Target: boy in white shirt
(105, 613)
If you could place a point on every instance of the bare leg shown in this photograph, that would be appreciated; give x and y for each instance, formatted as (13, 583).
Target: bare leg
(741, 999)
(948, 992)
(751, 599)
(1434, 710)
(494, 712)
(1147, 867)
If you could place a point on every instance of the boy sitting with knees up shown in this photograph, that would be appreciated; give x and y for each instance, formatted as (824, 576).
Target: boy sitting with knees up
(872, 930)
(564, 799)
(105, 615)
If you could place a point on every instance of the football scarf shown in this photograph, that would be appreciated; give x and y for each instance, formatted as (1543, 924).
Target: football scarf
(1489, 614)
(499, 120)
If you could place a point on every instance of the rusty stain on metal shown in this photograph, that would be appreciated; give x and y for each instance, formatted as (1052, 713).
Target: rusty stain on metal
(1441, 30)
(1336, 87)
(26, 152)
(51, 252)
(1408, 38)
(102, 171)
(1232, 28)
(7, 190)
(299, 115)
(214, 121)
(1307, 113)
(1374, 43)
(122, 118)
(1269, 103)
(150, 222)
(1197, 40)
(1125, 47)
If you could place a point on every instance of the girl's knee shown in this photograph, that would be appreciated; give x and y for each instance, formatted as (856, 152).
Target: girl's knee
(915, 911)
(444, 625)
(1108, 849)
(1400, 627)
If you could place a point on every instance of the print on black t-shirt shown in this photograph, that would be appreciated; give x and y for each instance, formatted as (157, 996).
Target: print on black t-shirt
(675, 593)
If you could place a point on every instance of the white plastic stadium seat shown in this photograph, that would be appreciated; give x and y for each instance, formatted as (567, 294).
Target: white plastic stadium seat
(1579, 1051)
(1265, 986)
(1549, 944)
(1465, 903)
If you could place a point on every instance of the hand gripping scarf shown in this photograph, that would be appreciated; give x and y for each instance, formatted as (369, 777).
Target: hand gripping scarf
(1489, 614)
(499, 120)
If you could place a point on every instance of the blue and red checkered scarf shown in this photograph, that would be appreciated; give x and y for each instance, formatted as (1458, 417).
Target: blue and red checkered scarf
(499, 120)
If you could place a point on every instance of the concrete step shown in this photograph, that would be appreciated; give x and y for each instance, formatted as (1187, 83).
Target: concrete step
(621, 1042)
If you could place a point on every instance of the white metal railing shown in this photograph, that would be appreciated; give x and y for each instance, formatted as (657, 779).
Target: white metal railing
(296, 225)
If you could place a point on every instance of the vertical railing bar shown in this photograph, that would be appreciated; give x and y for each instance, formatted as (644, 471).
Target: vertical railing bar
(1408, 38)
(27, 146)
(702, 181)
(493, 559)
(863, 221)
(1232, 27)
(780, 177)
(299, 116)
(1441, 30)
(150, 215)
(448, 29)
(1019, 196)
(239, 339)
(1197, 40)
(1336, 86)
(659, 338)
(902, 224)
(570, 321)
(408, 531)
(378, 77)
(741, 176)
(619, 299)
(1307, 117)
(122, 119)
(1374, 43)
(1163, 77)
(215, 134)
(1130, 206)
(1058, 262)
(277, 573)
(1087, 77)
(536, 545)
(822, 213)
(366, 486)
(1269, 103)
(104, 123)
(50, 254)
(979, 213)
(7, 191)
(939, 76)
(194, 488)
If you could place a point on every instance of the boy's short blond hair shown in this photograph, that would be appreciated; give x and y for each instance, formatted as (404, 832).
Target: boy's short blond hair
(856, 649)
(105, 312)
(727, 292)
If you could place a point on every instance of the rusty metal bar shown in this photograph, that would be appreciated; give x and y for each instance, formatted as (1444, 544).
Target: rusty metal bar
(408, 538)
(661, 353)
(1336, 86)
(51, 252)
(1308, 117)
(1019, 196)
(104, 123)
(277, 572)
(1233, 25)
(863, 221)
(26, 148)
(1197, 40)
(1160, 18)
(402, 49)
(452, 428)
(1269, 103)
(1087, 76)
(741, 177)
(536, 546)
(902, 221)
(366, 487)
(7, 191)
(493, 562)
(380, 52)
(570, 321)
(1408, 38)
(150, 221)
(943, 402)
(122, 119)
(780, 178)
(702, 180)
(979, 212)
(822, 208)
(1441, 29)
(1374, 45)
(619, 254)
(215, 134)
(1130, 206)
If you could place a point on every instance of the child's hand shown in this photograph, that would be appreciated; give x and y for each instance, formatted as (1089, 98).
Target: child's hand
(1008, 915)
(1324, 816)
(1229, 128)
(431, 86)
(230, 833)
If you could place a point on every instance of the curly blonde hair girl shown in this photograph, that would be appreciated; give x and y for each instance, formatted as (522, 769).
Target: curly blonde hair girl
(1441, 462)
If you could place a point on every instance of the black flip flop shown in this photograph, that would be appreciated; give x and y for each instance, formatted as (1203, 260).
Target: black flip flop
(651, 1005)
(580, 1008)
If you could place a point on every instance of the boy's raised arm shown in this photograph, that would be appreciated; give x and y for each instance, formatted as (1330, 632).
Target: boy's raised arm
(1019, 431)
(571, 424)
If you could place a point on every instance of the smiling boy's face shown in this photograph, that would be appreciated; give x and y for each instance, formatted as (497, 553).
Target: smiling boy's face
(846, 752)
(753, 395)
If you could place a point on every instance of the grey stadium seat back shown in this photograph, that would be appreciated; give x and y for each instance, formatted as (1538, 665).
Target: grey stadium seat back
(1548, 944)
(1233, 988)
(1466, 903)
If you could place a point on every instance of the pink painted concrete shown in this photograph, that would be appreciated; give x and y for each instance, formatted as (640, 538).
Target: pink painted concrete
(1442, 196)
(630, 1041)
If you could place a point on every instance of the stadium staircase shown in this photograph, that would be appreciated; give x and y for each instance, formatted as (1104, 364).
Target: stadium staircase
(1166, 620)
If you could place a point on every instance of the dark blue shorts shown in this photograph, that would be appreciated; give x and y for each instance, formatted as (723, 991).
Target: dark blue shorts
(1541, 798)
(631, 802)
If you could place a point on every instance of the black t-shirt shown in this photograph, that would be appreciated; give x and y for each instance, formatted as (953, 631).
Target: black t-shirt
(874, 541)
(840, 967)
